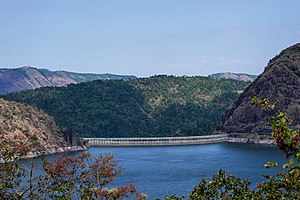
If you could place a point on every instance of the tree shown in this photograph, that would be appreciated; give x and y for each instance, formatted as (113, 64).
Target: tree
(80, 177)
(12, 149)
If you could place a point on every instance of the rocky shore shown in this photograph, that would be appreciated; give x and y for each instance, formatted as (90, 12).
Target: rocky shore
(54, 151)
(251, 140)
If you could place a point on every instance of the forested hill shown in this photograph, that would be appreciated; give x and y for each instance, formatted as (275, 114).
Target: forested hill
(155, 106)
(18, 79)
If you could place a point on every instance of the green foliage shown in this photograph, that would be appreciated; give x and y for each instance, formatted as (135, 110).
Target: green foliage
(222, 186)
(285, 185)
(156, 106)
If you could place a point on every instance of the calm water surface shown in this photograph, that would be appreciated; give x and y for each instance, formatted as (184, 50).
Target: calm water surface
(160, 171)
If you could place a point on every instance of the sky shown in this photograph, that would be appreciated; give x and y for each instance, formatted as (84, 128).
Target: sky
(146, 37)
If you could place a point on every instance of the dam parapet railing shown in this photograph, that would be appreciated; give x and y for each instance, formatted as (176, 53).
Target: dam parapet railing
(157, 141)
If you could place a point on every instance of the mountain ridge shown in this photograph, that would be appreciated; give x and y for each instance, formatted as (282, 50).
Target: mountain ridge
(18, 79)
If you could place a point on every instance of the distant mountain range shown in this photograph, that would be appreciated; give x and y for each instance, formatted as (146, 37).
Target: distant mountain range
(236, 76)
(23, 78)
(18, 79)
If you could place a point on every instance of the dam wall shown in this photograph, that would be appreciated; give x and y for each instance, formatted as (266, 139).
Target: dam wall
(157, 141)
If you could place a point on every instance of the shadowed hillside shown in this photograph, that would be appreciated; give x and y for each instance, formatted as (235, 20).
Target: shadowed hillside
(280, 82)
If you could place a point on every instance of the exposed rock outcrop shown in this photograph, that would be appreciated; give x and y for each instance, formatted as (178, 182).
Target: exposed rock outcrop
(280, 82)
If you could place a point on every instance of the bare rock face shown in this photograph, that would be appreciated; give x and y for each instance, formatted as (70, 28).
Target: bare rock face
(280, 82)
(35, 126)
(18, 79)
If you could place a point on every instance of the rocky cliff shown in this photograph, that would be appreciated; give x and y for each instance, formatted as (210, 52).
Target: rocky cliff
(13, 80)
(33, 126)
(280, 82)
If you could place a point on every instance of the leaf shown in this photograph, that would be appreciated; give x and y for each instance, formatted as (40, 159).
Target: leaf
(270, 164)
(267, 166)
(273, 107)
(285, 166)
(291, 162)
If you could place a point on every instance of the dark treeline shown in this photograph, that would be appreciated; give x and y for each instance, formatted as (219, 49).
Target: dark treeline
(155, 106)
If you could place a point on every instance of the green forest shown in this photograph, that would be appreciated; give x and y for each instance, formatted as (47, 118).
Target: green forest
(145, 107)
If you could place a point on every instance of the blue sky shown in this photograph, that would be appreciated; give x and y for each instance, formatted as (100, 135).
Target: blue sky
(143, 38)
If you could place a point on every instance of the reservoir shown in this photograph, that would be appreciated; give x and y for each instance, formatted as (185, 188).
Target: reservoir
(166, 170)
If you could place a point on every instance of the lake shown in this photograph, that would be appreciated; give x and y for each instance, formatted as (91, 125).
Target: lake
(166, 170)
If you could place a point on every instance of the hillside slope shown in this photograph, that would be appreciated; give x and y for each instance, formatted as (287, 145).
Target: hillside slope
(13, 80)
(27, 122)
(280, 82)
(155, 106)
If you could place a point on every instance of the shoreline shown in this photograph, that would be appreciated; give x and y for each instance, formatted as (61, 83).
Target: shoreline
(37, 154)
(251, 141)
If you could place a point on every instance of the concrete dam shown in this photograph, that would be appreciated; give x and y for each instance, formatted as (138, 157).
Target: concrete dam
(157, 141)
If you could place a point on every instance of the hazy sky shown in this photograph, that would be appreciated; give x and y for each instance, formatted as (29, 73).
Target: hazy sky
(147, 37)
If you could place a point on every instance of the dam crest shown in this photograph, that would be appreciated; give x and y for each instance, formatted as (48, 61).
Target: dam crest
(157, 141)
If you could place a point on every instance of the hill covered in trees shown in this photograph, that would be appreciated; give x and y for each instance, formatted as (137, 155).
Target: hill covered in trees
(155, 106)
(18, 79)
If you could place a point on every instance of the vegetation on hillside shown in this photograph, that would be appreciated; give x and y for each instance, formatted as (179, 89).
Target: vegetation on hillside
(156, 106)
